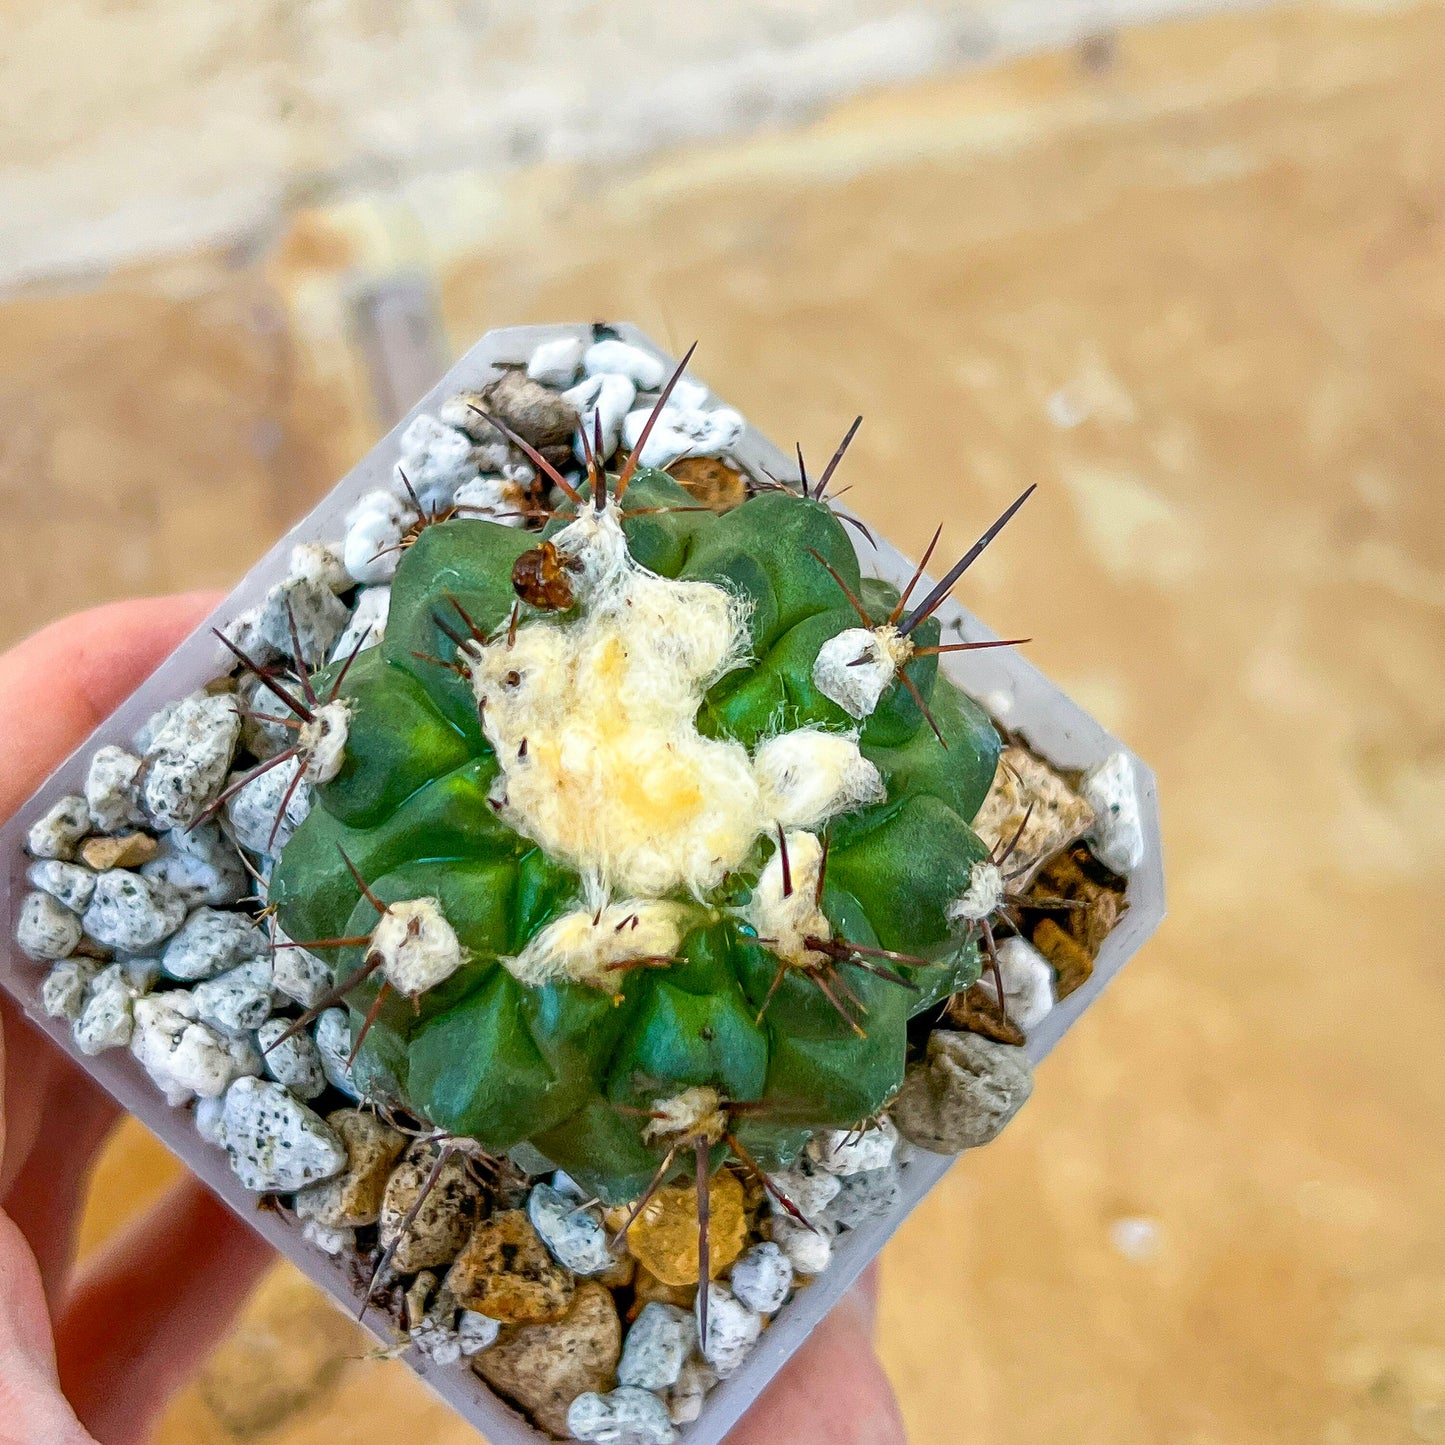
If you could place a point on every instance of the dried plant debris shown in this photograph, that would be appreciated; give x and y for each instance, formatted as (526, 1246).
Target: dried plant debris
(540, 903)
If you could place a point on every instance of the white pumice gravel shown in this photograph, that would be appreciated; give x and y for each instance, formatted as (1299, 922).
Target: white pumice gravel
(261, 733)
(851, 1151)
(132, 913)
(110, 790)
(63, 993)
(187, 760)
(296, 1062)
(644, 370)
(59, 829)
(1112, 790)
(624, 1416)
(436, 460)
(319, 562)
(319, 615)
(367, 625)
(210, 942)
(476, 1332)
(107, 1020)
(298, 973)
(809, 1251)
(201, 864)
(607, 398)
(211, 1120)
(254, 808)
(869, 1194)
(184, 1056)
(555, 363)
(683, 433)
(732, 1330)
(239, 1000)
(142, 974)
(805, 1186)
(333, 1041)
(69, 883)
(575, 1237)
(762, 1277)
(327, 1238)
(275, 1141)
(1028, 982)
(659, 1341)
(492, 498)
(46, 929)
(436, 1341)
(685, 1399)
(374, 529)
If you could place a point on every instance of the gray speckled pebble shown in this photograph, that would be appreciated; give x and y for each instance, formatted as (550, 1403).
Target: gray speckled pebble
(211, 1120)
(202, 865)
(106, 1020)
(212, 942)
(333, 1042)
(476, 1332)
(809, 1251)
(851, 1151)
(46, 929)
(298, 974)
(188, 758)
(320, 616)
(275, 1141)
(624, 1416)
(253, 809)
(296, 1062)
(110, 789)
(684, 1399)
(962, 1093)
(182, 1055)
(239, 1000)
(55, 833)
(864, 1196)
(69, 883)
(64, 991)
(661, 1338)
(576, 1237)
(132, 913)
(807, 1187)
(732, 1330)
(762, 1278)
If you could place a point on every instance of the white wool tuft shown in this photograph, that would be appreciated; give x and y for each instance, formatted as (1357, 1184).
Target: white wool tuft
(982, 897)
(417, 946)
(807, 776)
(586, 945)
(323, 741)
(854, 684)
(786, 920)
(694, 1111)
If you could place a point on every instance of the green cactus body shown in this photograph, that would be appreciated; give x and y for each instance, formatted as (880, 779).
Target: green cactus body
(506, 1049)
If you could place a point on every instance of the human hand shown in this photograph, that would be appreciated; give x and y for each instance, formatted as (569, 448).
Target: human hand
(92, 1355)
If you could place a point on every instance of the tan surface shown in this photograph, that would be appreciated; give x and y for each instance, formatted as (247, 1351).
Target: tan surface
(1200, 297)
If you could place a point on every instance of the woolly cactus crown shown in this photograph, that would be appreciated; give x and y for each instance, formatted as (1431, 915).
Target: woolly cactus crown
(652, 829)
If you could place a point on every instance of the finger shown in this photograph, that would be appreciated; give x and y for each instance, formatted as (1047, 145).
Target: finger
(32, 1409)
(152, 1306)
(57, 685)
(833, 1391)
(48, 1195)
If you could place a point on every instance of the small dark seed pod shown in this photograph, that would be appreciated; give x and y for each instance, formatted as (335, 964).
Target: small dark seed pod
(539, 578)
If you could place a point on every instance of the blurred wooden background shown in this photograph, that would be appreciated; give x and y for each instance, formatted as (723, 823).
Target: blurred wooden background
(1191, 279)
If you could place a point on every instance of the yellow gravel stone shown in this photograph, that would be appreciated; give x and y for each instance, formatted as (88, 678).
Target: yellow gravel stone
(664, 1238)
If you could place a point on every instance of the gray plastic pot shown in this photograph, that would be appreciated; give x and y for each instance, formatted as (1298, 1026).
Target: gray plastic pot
(1021, 697)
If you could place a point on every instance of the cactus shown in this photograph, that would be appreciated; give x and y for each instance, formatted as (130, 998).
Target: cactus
(645, 832)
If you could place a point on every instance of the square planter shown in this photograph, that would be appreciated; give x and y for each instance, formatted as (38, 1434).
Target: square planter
(1020, 698)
